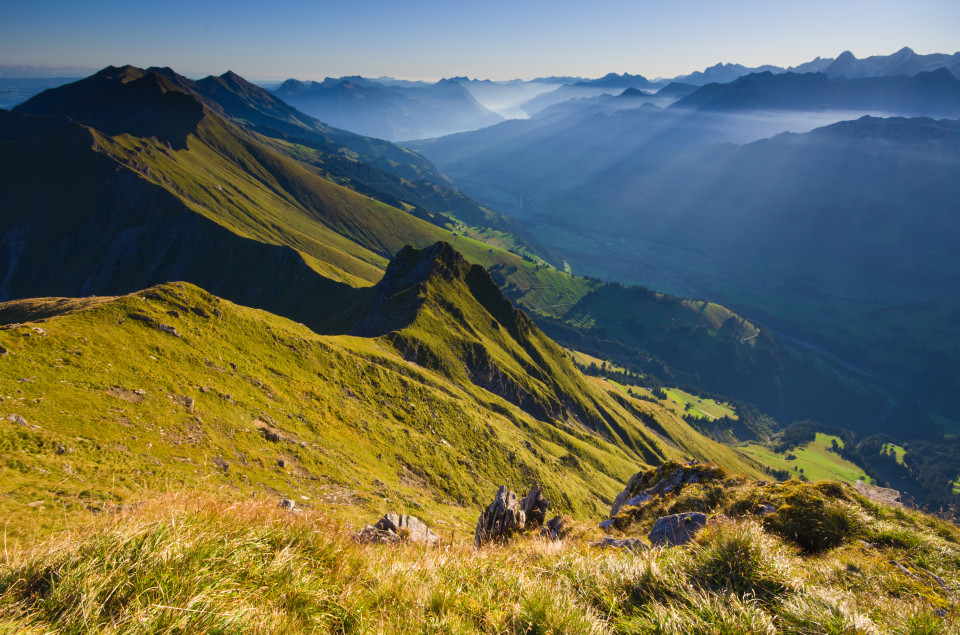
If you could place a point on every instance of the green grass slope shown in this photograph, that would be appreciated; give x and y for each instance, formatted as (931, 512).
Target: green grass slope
(108, 401)
(154, 155)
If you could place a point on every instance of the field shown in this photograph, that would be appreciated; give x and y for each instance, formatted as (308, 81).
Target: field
(699, 407)
(814, 461)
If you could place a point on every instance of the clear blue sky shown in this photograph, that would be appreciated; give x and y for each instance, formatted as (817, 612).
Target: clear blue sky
(494, 39)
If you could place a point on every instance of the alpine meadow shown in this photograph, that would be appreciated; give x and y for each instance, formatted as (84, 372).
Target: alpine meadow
(423, 320)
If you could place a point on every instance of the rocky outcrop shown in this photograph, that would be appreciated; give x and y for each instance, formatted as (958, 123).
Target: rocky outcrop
(678, 529)
(507, 514)
(879, 494)
(408, 528)
(395, 528)
(669, 477)
(556, 528)
(500, 519)
(534, 506)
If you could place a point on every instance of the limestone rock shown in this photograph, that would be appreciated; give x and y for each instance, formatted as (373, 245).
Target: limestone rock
(879, 494)
(407, 527)
(166, 328)
(534, 506)
(290, 505)
(669, 477)
(500, 519)
(371, 534)
(677, 529)
(556, 528)
(17, 419)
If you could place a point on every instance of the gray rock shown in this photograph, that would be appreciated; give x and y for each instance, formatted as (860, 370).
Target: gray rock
(3, 352)
(500, 519)
(879, 494)
(407, 527)
(371, 534)
(630, 544)
(17, 419)
(288, 504)
(197, 310)
(677, 529)
(142, 317)
(534, 507)
(764, 509)
(168, 329)
(270, 435)
(643, 486)
(555, 528)
(606, 524)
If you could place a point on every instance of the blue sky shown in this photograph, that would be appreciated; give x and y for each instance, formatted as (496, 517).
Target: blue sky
(497, 39)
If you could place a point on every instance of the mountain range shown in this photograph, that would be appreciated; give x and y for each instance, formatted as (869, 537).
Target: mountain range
(220, 184)
(838, 237)
(389, 111)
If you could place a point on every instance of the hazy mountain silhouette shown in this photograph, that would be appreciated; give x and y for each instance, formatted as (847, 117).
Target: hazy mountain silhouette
(389, 112)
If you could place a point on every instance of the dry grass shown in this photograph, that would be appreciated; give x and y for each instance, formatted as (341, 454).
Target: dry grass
(187, 563)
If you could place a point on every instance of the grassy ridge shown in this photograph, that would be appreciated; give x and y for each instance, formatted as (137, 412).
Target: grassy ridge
(105, 400)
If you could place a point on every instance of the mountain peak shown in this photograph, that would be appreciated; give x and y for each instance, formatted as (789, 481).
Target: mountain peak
(399, 293)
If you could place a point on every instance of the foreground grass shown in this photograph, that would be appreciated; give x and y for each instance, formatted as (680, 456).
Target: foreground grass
(192, 563)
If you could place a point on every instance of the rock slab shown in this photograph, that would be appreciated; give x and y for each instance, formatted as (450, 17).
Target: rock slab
(407, 527)
(678, 529)
(500, 519)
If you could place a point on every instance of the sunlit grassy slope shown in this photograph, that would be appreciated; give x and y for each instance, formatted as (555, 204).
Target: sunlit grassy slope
(815, 460)
(465, 405)
(162, 181)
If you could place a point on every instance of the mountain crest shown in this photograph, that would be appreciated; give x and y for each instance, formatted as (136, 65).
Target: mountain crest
(401, 292)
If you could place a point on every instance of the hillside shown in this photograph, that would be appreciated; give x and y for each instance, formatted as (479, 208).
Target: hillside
(108, 401)
(814, 235)
(261, 220)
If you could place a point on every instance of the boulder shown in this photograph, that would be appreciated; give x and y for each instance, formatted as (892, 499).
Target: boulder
(669, 477)
(394, 528)
(290, 505)
(17, 419)
(408, 528)
(678, 529)
(879, 494)
(371, 534)
(555, 528)
(534, 506)
(500, 519)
